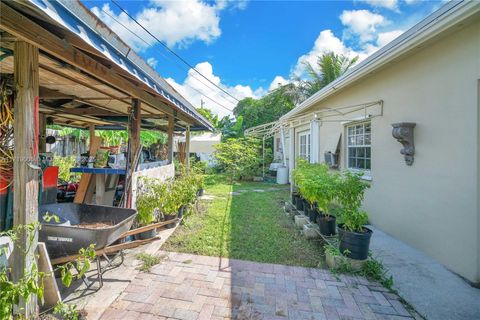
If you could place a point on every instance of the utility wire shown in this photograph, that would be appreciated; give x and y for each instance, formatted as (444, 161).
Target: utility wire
(146, 42)
(173, 52)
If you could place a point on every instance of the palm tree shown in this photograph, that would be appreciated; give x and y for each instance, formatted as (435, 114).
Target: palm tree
(330, 66)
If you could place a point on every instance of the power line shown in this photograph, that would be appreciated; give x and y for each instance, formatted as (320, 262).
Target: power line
(146, 42)
(173, 52)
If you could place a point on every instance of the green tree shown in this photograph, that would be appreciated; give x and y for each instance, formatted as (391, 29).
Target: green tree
(240, 158)
(330, 66)
(266, 109)
(208, 114)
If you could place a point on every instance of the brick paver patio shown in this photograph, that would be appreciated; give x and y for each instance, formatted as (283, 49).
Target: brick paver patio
(188, 287)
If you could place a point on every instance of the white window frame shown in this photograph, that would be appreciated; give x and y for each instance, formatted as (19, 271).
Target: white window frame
(356, 124)
(305, 154)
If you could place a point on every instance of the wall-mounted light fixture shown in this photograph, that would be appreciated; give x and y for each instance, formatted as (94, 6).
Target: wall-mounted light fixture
(403, 132)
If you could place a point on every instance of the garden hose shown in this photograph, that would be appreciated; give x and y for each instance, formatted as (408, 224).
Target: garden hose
(6, 136)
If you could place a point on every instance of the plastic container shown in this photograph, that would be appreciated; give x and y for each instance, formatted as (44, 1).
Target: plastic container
(282, 175)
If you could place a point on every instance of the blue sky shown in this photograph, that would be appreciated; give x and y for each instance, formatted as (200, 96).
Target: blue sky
(248, 47)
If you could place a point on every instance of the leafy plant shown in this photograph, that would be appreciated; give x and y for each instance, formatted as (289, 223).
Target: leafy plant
(149, 200)
(66, 311)
(317, 184)
(239, 158)
(31, 283)
(351, 194)
(64, 164)
(148, 261)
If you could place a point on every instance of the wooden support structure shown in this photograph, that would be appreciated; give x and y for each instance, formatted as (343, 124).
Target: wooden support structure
(171, 127)
(134, 128)
(187, 146)
(42, 136)
(25, 167)
(27, 30)
(134, 122)
(86, 186)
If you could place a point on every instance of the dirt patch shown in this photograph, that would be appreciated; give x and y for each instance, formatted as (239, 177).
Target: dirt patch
(94, 225)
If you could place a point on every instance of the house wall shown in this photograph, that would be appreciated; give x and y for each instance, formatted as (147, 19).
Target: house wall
(432, 205)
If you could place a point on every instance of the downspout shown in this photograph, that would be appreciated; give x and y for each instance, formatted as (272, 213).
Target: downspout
(263, 157)
(282, 138)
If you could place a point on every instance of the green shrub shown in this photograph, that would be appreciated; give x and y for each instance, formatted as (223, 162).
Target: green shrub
(317, 184)
(240, 158)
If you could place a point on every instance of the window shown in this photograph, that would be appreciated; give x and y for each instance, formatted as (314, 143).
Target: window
(304, 145)
(359, 146)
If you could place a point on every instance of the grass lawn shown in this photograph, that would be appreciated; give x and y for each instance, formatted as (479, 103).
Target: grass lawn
(249, 225)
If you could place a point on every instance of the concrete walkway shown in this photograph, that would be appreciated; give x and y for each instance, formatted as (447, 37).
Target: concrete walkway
(185, 286)
(428, 286)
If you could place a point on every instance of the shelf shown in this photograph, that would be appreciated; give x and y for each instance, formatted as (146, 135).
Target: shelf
(98, 170)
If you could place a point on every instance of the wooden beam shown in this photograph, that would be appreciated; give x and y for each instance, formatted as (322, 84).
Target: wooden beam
(25, 181)
(50, 94)
(187, 146)
(134, 122)
(90, 111)
(170, 128)
(42, 136)
(27, 30)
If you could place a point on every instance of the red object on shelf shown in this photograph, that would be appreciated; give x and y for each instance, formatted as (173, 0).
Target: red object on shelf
(50, 177)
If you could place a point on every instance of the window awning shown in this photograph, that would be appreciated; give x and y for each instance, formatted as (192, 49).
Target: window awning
(332, 142)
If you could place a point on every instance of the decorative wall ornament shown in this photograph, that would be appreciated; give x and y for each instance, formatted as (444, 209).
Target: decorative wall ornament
(403, 132)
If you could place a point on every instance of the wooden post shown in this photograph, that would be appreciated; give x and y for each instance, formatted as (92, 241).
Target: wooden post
(171, 127)
(42, 125)
(134, 145)
(187, 146)
(91, 131)
(134, 128)
(25, 182)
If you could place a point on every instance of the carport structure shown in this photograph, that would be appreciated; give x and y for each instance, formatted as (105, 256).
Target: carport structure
(64, 66)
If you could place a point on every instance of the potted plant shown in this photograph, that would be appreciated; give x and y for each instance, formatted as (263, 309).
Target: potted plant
(170, 203)
(326, 191)
(298, 175)
(354, 236)
(147, 203)
(308, 190)
(200, 184)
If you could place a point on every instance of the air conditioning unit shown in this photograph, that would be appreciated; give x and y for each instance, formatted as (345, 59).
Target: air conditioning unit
(331, 159)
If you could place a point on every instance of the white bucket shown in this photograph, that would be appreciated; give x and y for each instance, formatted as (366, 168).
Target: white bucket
(282, 175)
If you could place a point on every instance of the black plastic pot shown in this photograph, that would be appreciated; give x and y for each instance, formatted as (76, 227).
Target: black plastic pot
(305, 205)
(299, 203)
(200, 192)
(146, 234)
(181, 210)
(295, 197)
(311, 213)
(357, 243)
(169, 217)
(328, 225)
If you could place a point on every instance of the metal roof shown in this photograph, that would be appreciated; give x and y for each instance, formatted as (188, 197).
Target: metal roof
(79, 20)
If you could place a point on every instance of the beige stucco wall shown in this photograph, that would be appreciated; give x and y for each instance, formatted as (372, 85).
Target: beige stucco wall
(432, 205)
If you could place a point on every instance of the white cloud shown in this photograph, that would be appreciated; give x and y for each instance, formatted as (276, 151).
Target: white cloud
(152, 62)
(385, 37)
(195, 91)
(174, 22)
(362, 24)
(277, 82)
(388, 4)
